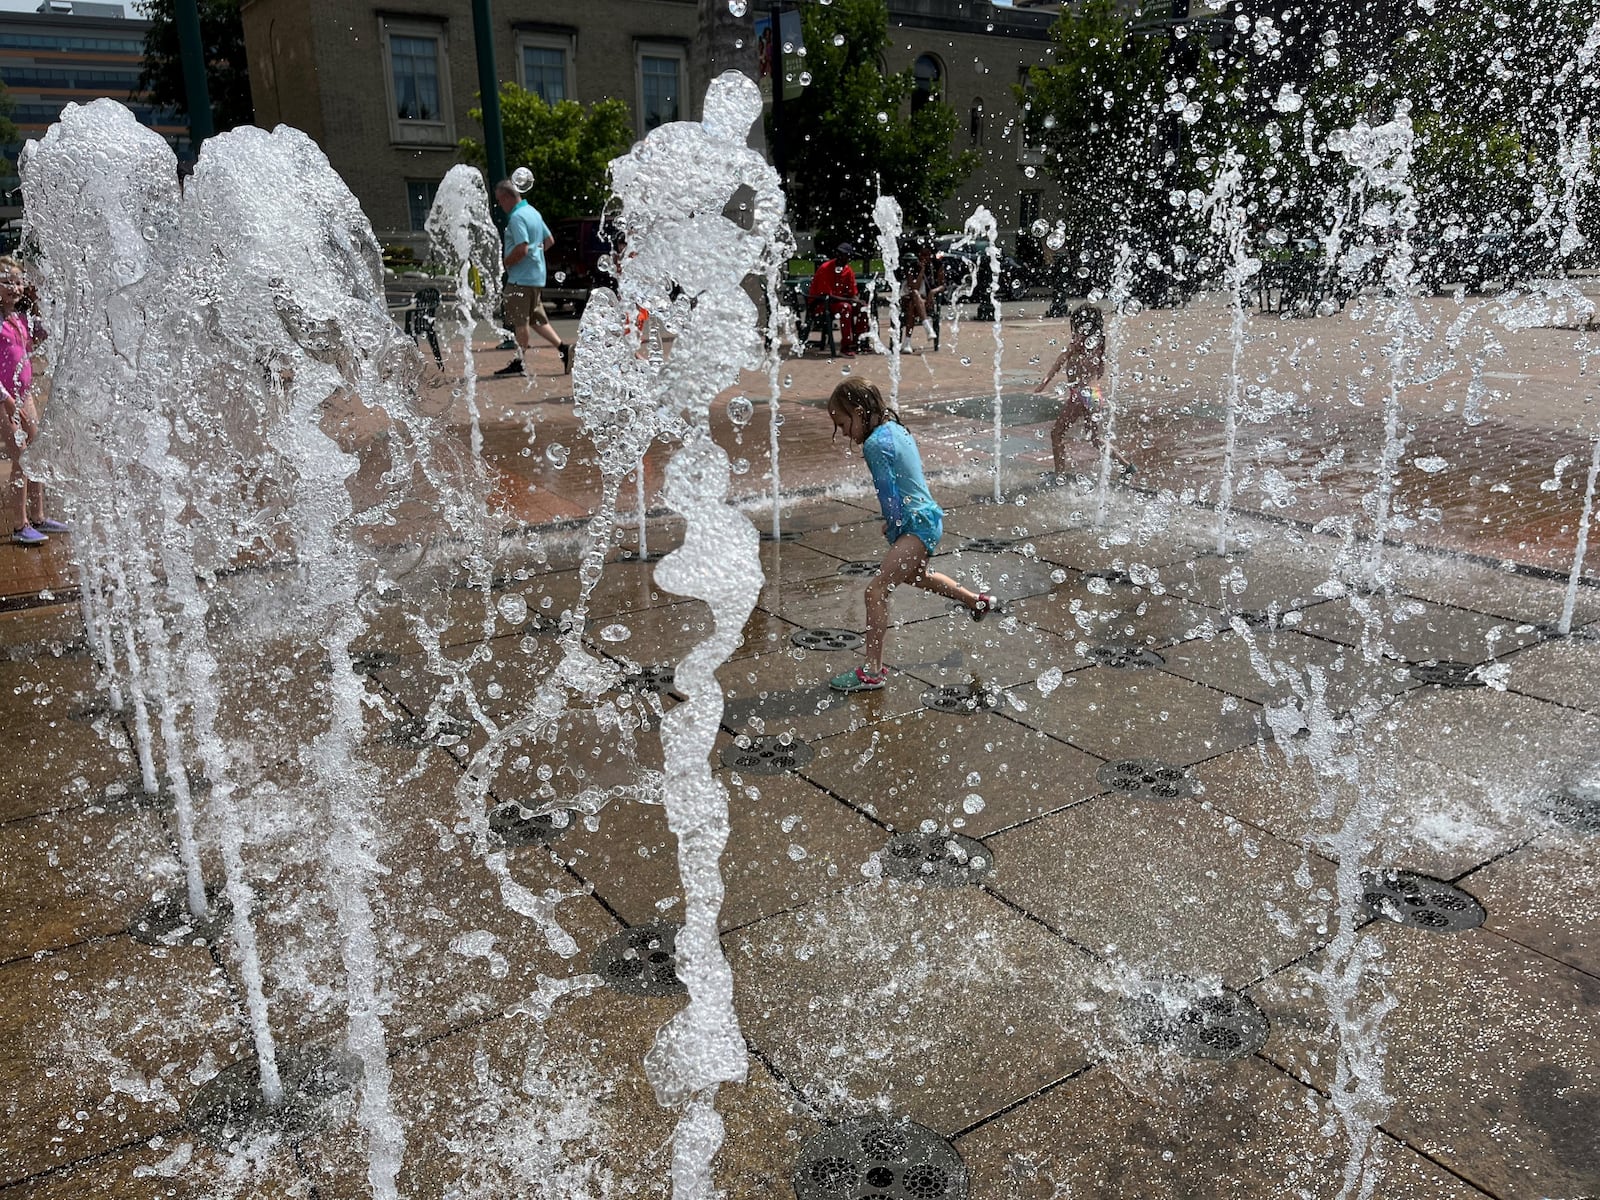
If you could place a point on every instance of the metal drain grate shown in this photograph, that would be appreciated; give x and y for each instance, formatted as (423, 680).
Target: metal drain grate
(652, 679)
(1420, 901)
(1121, 658)
(948, 859)
(520, 826)
(949, 698)
(1446, 673)
(641, 961)
(827, 639)
(412, 733)
(168, 922)
(1576, 808)
(863, 569)
(1114, 575)
(1149, 777)
(1176, 1015)
(874, 1159)
(986, 545)
(228, 1108)
(767, 755)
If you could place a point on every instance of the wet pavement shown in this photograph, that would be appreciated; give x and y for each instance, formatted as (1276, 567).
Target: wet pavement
(1124, 985)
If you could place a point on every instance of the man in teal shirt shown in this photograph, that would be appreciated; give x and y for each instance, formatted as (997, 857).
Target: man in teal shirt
(526, 240)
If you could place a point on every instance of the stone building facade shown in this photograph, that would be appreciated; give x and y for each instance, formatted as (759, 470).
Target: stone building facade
(384, 86)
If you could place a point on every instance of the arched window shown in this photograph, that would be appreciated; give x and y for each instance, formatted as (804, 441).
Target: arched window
(927, 75)
(975, 122)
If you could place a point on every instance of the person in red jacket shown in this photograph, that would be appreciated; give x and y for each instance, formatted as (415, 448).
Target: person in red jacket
(833, 291)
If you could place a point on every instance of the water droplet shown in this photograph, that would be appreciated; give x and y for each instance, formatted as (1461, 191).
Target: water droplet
(805, 78)
(1049, 680)
(1030, 172)
(973, 803)
(561, 276)
(513, 607)
(883, 117)
(740, 410)
(788, 47)
(1040, 228)
(557, 454)
(1057, 239)
(737, 7)
(838, 39)
(965, 361)
(616, 633)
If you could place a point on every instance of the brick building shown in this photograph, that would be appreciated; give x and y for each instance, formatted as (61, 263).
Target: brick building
(385, 87)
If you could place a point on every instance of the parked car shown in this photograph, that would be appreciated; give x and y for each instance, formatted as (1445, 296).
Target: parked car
(579, 261)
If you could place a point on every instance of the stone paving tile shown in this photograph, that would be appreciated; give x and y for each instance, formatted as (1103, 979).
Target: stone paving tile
(78, 875)
(840, 603)
(455, 949)
(1520, 741)
(1099, 613)
(1090, 548)
(997, 652)
(911, 996)
(1140, 713)
(1429, 817)
(789, 842)
(1009, 576)
(1418, 630)
(929, 766)
(556, 1112)
(1566, 671)
(1269, 576)
(1166, 887)
(854, 542)
(1486, 589)
(1546, 895)
(99, 1046)
(787, 692)
(50, 631)
(65, 746)
(1278, 671)
(169, 1165)
(1213, 1129)
(1489, 1055)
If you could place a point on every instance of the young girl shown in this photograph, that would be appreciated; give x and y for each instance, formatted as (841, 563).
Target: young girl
(19, 419)
(1084, 364)
(913, 523)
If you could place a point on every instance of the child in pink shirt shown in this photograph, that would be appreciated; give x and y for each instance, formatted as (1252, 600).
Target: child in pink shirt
(19, 418)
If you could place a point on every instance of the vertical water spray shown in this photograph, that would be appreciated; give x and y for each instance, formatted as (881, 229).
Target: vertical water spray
(981, 226)
(1225, 207)
(886, 215)
(1385, 203)
(683, 239)
(464, 240)
(1121, 303)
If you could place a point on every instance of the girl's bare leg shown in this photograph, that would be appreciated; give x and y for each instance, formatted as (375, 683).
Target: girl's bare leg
(1071, 411)
(1099, 443)
(906, 562)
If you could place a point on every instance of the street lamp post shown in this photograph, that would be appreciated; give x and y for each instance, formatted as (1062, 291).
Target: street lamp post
(494, 145)
(192, 51)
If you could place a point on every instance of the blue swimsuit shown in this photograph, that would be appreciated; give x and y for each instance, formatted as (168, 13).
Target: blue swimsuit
(903, 494)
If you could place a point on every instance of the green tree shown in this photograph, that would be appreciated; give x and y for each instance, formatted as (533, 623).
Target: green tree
(850, 133)
(567, 147)
(8, 128)
(227, 77)
(1100, 113)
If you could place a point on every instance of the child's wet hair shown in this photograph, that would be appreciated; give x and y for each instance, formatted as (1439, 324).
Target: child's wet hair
(862, 396)
(1089, 321)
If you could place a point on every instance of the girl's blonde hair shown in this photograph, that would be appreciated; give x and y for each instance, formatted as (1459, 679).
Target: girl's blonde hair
(858, 395)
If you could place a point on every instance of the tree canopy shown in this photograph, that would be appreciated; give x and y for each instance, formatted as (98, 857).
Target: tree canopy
(566, 145)
(853, 131)
(227, 77)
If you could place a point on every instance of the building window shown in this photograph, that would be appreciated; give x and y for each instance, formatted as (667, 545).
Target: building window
(975, 122)
(1029, 209)
(547, 67)
(418, 83)
(660, 86)
(926, 74)
(419, 201)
